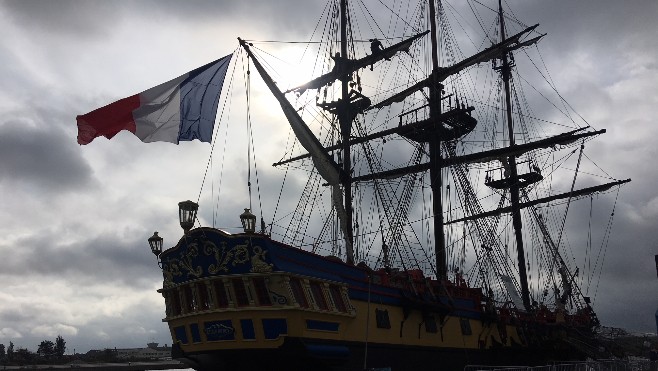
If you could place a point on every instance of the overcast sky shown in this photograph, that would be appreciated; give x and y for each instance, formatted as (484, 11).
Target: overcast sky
(74, 219)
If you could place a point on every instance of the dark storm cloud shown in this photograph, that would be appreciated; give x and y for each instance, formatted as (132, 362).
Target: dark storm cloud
(73, 17)
(586, 24)
(89, 262)
(96, 18)
(17, 315)
(607, 34)
(274, 15)
(43, 158)
(620, 275)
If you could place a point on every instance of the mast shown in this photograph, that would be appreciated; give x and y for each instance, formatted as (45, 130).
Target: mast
(436, 161)
(345, 122)
(511, 161)
(346, 108)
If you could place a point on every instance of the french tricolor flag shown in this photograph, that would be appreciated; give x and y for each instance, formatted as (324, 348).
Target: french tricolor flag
(182, 109)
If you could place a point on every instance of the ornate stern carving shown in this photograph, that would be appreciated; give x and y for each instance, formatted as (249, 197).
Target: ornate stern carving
(169, 270)
(238, 254)
(258, 264)
(186, 260)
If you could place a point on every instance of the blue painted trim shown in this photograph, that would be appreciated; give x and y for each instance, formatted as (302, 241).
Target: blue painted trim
(322, 325)
(181, 334)
(248, 332)
(274, 327)
(196, 334)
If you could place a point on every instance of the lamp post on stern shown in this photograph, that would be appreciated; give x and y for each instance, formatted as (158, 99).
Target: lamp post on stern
(248, 221)
(155, 242)
(187, 211)
(187, 214)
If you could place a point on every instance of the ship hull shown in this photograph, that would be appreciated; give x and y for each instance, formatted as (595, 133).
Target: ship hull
(302, 355)
(245, 302)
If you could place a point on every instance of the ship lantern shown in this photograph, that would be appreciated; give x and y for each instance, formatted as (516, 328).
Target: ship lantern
(187, 214)
(248, 221)
(155, 242)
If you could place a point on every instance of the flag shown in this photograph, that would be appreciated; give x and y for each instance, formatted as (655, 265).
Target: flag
(182, 109)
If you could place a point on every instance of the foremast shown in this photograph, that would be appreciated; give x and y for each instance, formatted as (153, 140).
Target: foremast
(346, 108)
(325, 165)
(346, 117)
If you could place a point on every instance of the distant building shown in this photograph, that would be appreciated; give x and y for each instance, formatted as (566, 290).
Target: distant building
(152, 352)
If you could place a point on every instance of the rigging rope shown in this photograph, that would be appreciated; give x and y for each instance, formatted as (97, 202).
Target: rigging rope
(213, 142)
(604, 245)
(248, 95)
(573, 185)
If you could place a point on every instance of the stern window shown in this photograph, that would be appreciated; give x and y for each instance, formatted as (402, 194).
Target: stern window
(338, 298)
(190, 299)
(466, 326)
(298, 292)
(382, 318)
(318, 296)
(204, 298)
(261, 291)
(174, 303)
(240, 292)
(430, 325)
(220, 294)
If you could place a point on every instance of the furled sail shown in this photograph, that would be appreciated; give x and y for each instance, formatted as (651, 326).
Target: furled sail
(326, 166)
(522, 205)
(485, 156)
(512, 292)
(399, 97)
(510, 44)
(492, 52)
(345, 66)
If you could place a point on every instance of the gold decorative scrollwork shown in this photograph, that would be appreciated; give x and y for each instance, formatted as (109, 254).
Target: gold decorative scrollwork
(190, 253)
(238, 254)
(241, 254)
(211, 249)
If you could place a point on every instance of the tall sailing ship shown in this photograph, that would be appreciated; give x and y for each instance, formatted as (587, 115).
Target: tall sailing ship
(453, 256)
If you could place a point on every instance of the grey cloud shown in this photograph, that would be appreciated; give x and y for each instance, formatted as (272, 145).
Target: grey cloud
(42, 158)
(70, 17)
(93, 261)
(96, 18)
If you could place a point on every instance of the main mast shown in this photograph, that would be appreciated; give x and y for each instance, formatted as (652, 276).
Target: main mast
(345, 122)
(511, 162)
(436, 161)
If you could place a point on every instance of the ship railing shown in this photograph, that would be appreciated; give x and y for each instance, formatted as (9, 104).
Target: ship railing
(423, 113)
(599, 365)
(414, 115)
(269, 291)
